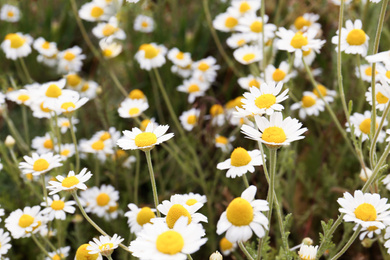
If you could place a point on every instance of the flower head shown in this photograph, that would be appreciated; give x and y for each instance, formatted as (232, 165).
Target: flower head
(104, 245)
(70, 183)
(353, 39)
(40, 164)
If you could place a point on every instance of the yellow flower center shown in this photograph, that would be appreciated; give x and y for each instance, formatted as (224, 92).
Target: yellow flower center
(66, 124)
(102, 199)
(191, 202)
(106, 246)
(73, 80)
(244, 7)
(225, 244)
(248, 57)
(70, 181)
(29, 176)
(108, 30)
(239, 212)
(48, 144)
(67, 105)
(10, 14)
(53, 91)
(203, 66)
(136, 94)
(44, 109)
(298, 41)
(191, 119)
(144, 124)
(305, 53)
(45, 45)
(145, 139)
(365, 212)
(231, 22)
(238, 102)
(107, 53)
(25, 221)
(144, 24)
(365, 126)
(145, 215)
(388, 74)
(150, 51)
(308, 101)
(368, 72)
(58, 257)
(256, 27)
(40, 165)
(98, 145)
(254, 83)
(170, 242)
(57, 205)
(240, 42)
(16, 40)
(69, 56)
(221, 140)
(278, 75)
(322, 90)
(382, 99)
(96, 11)
(372, 228)
(175, 212)
(82, 253)
(105, 136)
(113, 208)
(23, 98)
(216, 110)
(265, 101)
(274, 134)
(193, 88)
(65, 152)
(240, 157)
(356, 37)
(180, 55)
(134, 111)
(85, 87)
(301, 22)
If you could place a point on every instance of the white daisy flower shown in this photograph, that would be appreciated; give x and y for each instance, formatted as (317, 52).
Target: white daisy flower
(280, 74)
(67, 104)
(52, 91)
(105, 245)
(383, 72)
(183, 72)
(190, 198)
(194, 88)
(143, 23)
(110, 49)
(101, 148)
(383, 56)
(151, 55)
(137, 94)
(175, 208)
(45, 48)
(157, 241)
(56, 207)
(217, 114)
(60, 253)
(111, 135)
(306, 21)
(310, 105)
(136, 139)
(298, 42)
(246, 6)
(226, 246)
(88, 89)
(362, 125)
(250, 81)
(82, 253)
(387, 236)
(307, 252)
(250, 23)
(5, 242)
(240, 39)
(40, 164)
(382, 95)
(132, 108)
(264, 100)
(94, 11)
(70, 183)
(110, 29)
(365, 72)
(365, 209)
(21, 96)
(43, 144)
(248, 54)
(39, 109)
(327, 94)
(16, 45)
(23, 222)
(353, 39)
(70, 60)
(244, 216)
(386, 180)
(145, 122)
(101, 199)
(73, 81)
(206, 68)
(276, 131)
(67, 151)
(368, 232)
(9, 13)
(226, 22)
(241, 161)
(189, 119)
(224, 143)
(50, 61)
(179, 58)
(138, 217)
(308, 57)
(64, 124)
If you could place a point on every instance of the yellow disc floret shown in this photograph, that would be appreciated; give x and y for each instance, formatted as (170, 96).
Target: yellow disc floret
(191, 119)
(322, 90)
(145, 139)
(244, 7)
(53, 91)
(193, 88)
(365, 212)
(239, 212)
(98, 145)
(298, 41)
(216, 110)
(175, 212)
(203, 66)
(134, 111)
(274, 134)
(108, 30)
(145, 215)
(48, 144)
(256, 27)
(265, 101)
(40, 165)
(136, 94)
(170, 242)
(248, 57)
(308, 101)
(69, 56)
(57, 205)
(23, 98)
(16, 40)
(382, 99)
(240, 157)
(70, 181)
(301, 22)
(73, 80)
(278, 75)
(102, 199)
(97, 11)
(191, 202)
(25, 221)
(150, 51)
(356, 37)
(254, 83)
(225, 244)
(83, 254)
(231, 22)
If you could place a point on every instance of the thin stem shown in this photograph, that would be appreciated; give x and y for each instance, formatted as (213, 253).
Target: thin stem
(243, 249)
(281, 227)
(245, 180)
(153, 181)
(75, 144)
(373, 141)
(109, 257)
(25, 71)
(15, 133)
(264, 61)
(349, 243)
(271, 185)
(378, 166)
(136, 178)
(44, 188)
(49, 243)
(40, 245)
(57, 132)
(330, 232)
(189, 257)
(25, 124)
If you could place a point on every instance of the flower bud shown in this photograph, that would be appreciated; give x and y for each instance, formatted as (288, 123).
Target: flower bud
(216, 256)
(367, 242)
(307, 241)
(364, 175)
(9, 141)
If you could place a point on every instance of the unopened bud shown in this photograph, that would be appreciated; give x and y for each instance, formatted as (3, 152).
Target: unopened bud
(99, 90)
(77, 218)
(9, 141)
(365, 174)
(307, 241)
(367, 242)
(216, 256)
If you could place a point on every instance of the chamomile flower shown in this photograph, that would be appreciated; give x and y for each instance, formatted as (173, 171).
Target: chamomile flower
(280, 74)
(365, 209)
(224, 143)
(306, 21)
(179, 58)
(101, 148)
(132, 108)
(226, 22)
(70, 60)
(353, 39)
(151, 55)
(226, 246)
(143, 23)
(73, 80)
(308, 252)
(190, 198)
(45, 48)
(52, 91)
(39, 109)
(99, 200)
(241, 161)
(136, 139)
(110, 29)
(9, 13)
(308, 57)
(240, 39)
(250, 23)
(70, 183)
(248, 54)
(110, 49)
(327, 94)
(40, 164)
(67, 104)
(183, 72)
(138, 217)
(276, 131)
(368, 232)
(23, 222)
(56, 207)
(82, 253)
(5, 242)
(383, 56)
(194, 88)
(365, 174)
(365, 72)
(189, 119)
(43, 144)
(137, 94)
(250, 81)
(88, 89)
(64, 124)
(382, 95)
(157, 241)
(206, 68)
(105, 245)
(362, 125)
(94, 11)
(217, 113)
(146, 122)
(264, 100)
(246, 6)
(16, 45)
(66, 151)
(112, 135)
(244, 216)
(60, 253)
(386, 182)
(20, 96)
(298, 42)
(175, 208)
(310, 105)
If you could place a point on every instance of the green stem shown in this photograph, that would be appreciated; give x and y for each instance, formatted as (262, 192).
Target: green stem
(57, 132)
(349, 243)
(15, 133)
(264, 61)
(243, 249)
(109, 257)
(25, 71)
(189, 257)
(44, 188)
(271, 185)
(76, 149)
(40, 245)
(329, 233)
(245, 180)
(25, 124)
(153, 181)
(373, 141)
(136, 178)
(49, 243)
(281, 226)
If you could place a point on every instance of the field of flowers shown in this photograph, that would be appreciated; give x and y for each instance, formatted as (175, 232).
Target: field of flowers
(208, 129)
